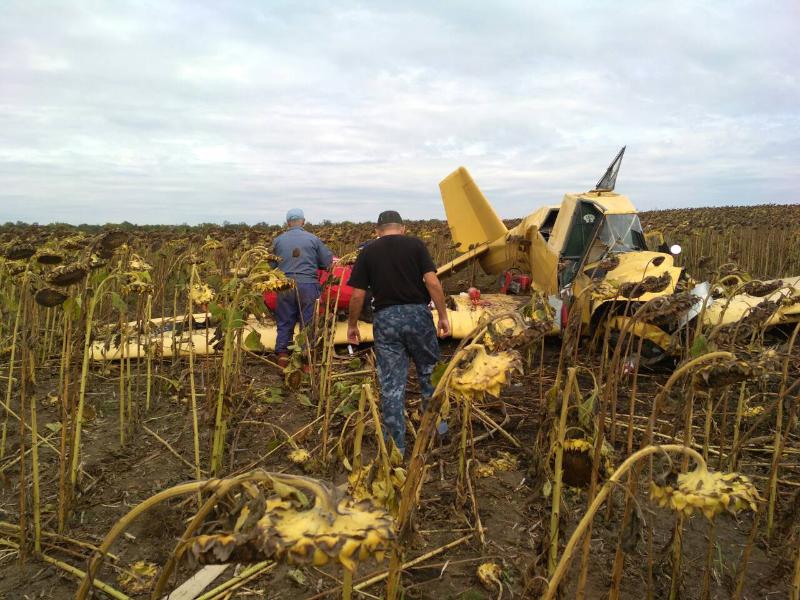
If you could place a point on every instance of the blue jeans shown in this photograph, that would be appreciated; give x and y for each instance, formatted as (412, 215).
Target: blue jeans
(403, 331)
(294, 306)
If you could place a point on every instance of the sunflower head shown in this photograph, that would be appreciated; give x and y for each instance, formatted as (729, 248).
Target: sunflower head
(289, 526)
(299, 456)
(478, 372)
(578, 461)
(348, 259)
(504, 461)
(378, 485)
(725, 372)
(49, 256)
(489, 574)
(50, 297)
(138, 283)
(137, 263)
(138, 578)
(264, 278)
(201, 293)
(65, 275)
(111, 240)
(752, 411)
(709, 492)
(211, 244)
(20, 251)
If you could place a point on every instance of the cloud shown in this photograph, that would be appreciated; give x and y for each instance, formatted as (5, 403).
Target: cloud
(169, 112)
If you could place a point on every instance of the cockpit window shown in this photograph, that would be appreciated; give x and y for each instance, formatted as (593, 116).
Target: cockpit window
(621, 233)
(616, 234)
(585, 220)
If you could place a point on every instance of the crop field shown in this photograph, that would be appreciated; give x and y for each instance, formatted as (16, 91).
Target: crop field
(570, 469)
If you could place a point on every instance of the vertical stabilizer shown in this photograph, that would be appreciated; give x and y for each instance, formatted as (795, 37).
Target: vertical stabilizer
(471, 218)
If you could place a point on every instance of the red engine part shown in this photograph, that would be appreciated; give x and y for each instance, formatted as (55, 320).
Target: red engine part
(329, 293)
(512, 282)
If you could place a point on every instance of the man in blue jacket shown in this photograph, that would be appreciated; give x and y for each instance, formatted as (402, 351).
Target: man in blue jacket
(302, 253)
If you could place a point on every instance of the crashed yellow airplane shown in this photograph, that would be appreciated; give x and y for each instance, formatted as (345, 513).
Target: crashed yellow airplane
(587, 254)
(590, 252)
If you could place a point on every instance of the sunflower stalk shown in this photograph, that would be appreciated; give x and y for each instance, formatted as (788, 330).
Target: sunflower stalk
(123, 346)
(569, 550)
(66, 423)
(328, 370)
(23, 472)
(558, 471)
(619, 552)
(599, 440)
(466, 415)
(148, 314)
(37, 509)
(676, 581)
(220, 423)
(778, 439)
(705, 593)
(347, 584)
(23, 288)
(192, 386)
(734, 456)
(93, 299)
(359, 433)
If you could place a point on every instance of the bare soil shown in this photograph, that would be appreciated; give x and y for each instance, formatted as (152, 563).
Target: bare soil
(512, 508)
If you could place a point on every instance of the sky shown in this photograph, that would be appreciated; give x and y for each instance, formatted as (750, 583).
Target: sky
(207, 111)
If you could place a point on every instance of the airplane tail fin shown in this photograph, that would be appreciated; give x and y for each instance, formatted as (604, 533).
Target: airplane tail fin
(471, 218)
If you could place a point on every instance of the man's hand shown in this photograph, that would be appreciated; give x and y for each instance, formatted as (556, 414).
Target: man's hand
(443, 327)
(437, 295)
(356, 304)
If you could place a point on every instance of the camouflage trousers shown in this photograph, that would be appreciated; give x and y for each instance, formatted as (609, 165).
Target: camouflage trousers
(401, 332)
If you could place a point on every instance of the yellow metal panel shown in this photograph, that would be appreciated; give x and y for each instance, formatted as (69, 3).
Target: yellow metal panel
(455, 264)
(559, 234)
(633, 267)
(610, 203)
(471, 218)
(504, 254)
(642, 330)
(544, 263)
(537, 218)
(463, 320)
(724, 311)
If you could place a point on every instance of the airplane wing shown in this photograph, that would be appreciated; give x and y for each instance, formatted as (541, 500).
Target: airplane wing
(455, 264)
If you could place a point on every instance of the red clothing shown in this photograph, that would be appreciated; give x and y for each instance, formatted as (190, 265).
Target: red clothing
(328, 292)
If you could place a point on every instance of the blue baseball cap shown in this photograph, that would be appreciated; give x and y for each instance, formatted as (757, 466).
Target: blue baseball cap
(295, 214)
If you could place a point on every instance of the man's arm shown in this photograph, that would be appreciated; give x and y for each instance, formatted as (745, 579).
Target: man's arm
(324, 255)
(437, 295)
(356, 306)
(277, 250)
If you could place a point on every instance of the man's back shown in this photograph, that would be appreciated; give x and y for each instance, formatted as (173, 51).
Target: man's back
(302, 253)
(393, 267)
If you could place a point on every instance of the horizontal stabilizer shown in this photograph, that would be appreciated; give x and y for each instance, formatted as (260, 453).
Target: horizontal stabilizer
(460, 262)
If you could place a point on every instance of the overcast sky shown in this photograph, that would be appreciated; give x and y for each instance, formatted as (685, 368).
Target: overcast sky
(170, 112)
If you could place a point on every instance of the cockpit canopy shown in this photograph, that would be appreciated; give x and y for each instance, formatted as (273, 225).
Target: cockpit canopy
(590, 227)
(620, 233)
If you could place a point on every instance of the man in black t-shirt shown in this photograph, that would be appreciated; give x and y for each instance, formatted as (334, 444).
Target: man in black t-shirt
(400, 273)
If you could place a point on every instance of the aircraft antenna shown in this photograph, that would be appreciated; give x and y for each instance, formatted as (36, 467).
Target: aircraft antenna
(609, 180)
